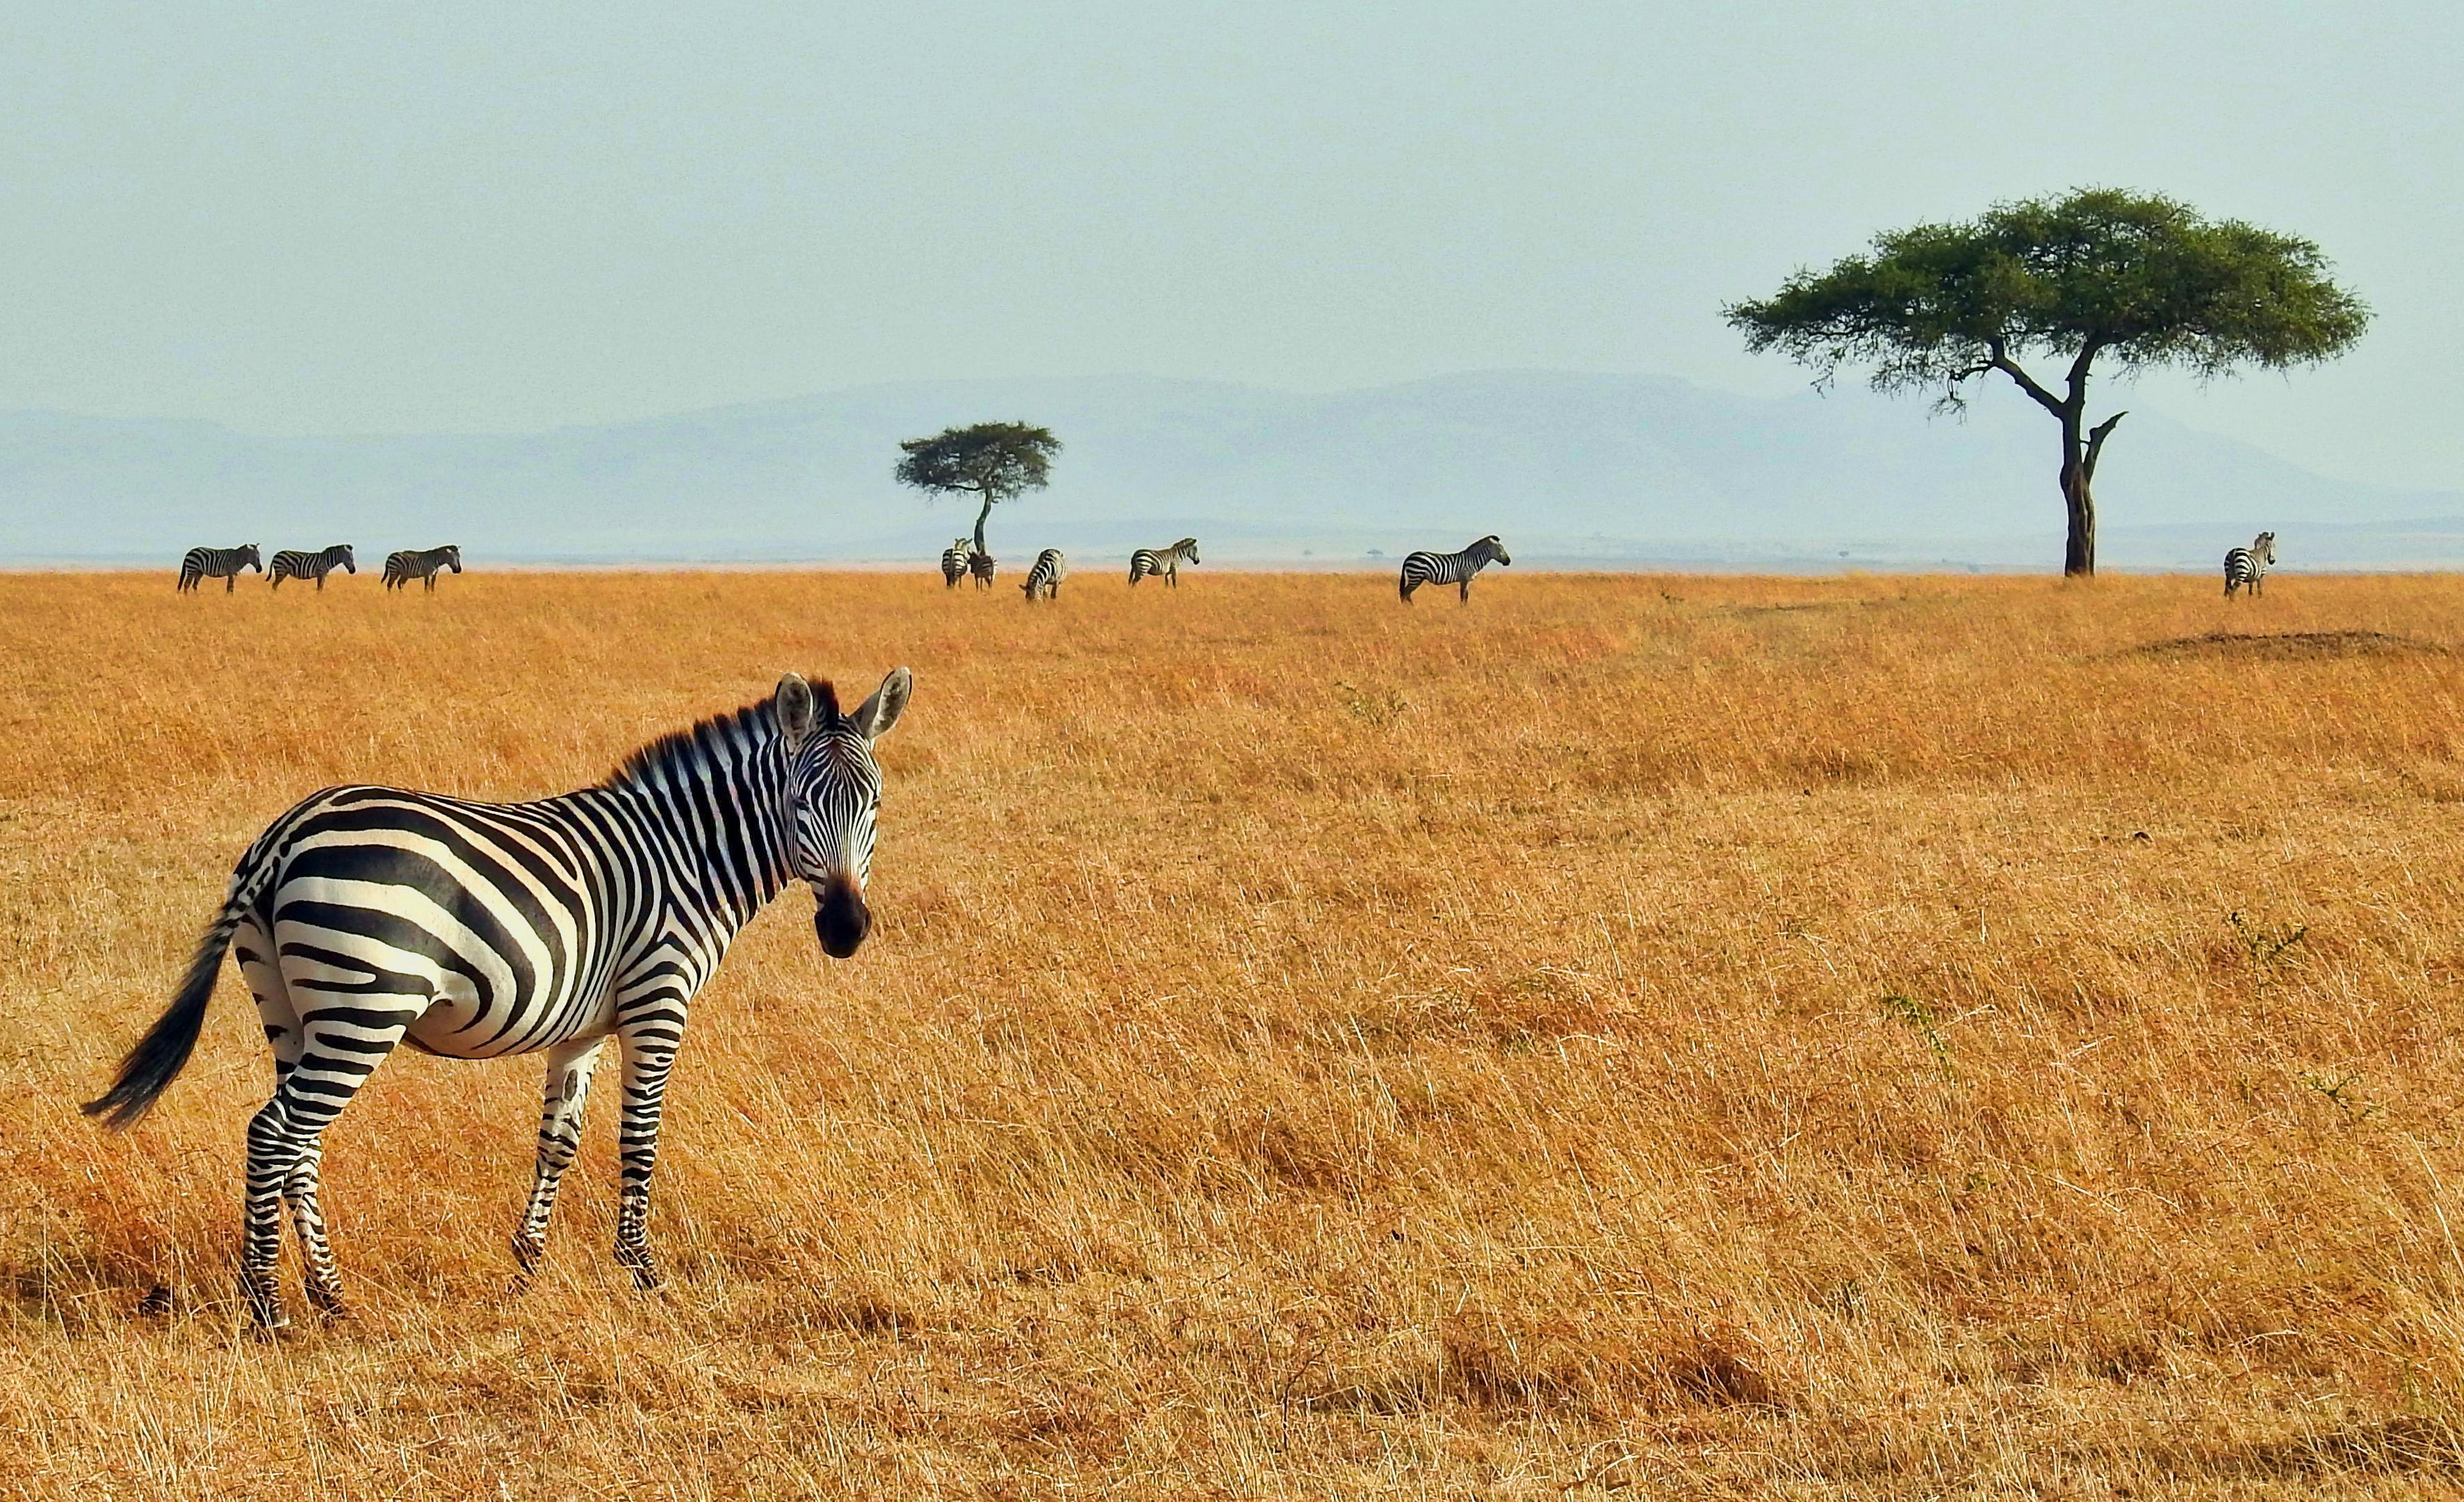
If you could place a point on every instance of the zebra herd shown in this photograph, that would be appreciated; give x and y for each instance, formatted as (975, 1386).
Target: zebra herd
(962, 559)
(227, 564)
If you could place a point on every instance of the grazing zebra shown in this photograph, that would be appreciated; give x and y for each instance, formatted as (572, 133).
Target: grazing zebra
(218, 563)
(1163, 561)
(954, 563)
(1452, 569)
(369, 916)
(290, 564)
(1043, 580)
(2246, 568)
(422, 564)
(982, 566)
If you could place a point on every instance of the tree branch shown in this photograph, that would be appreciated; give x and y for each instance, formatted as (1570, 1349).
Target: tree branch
(2096, 437)
(2003, 363)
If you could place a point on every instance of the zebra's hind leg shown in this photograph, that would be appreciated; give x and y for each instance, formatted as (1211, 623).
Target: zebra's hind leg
(568, 1085)
(339, 1048)
(324, 1285)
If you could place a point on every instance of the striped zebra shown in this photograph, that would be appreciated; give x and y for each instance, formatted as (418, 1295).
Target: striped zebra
(954, 563)
(216, 563)
(1452, 569)
(982, 566)
(421, 563)
(1163, 561)
(290, 564)
(1043, 580)
(370, 916)
(2246, 568)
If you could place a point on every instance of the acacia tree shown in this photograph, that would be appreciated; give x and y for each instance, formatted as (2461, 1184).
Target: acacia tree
(998, 461)
(2138, 279)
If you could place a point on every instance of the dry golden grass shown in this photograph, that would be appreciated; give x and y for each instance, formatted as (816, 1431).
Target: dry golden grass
(1706, 1036)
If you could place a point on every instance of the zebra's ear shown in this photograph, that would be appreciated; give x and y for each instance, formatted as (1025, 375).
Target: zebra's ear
(795, 706)
(877, 715)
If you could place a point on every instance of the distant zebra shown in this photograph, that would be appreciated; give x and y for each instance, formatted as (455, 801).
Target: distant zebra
(982, 566)
(1163, 561)
(218, 563)
(2246, 568)
(370, 916)
(1043, 580)
(290, 564)
(422, 564)
(1452, 569)
(954, 563)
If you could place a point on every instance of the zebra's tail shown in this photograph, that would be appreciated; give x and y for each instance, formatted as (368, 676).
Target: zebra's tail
(164, 1051)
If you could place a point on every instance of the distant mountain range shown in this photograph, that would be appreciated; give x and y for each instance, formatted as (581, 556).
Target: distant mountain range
(1572, 469)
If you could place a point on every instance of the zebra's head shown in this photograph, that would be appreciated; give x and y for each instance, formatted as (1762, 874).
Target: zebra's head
(248, 558)
(2265, 548)
(833, 794)
(350, 564)
(1495, 549)
(1187, 548)
(454, 558)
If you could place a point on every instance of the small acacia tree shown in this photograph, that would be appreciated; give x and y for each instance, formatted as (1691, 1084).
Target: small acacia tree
(2140, 280)
(998, 461)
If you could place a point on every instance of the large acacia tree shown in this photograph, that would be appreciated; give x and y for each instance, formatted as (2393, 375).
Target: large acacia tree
(996, 461)
(2140, 281)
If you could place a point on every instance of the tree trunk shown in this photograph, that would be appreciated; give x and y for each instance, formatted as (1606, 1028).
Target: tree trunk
(2079, 550)
(981, 517)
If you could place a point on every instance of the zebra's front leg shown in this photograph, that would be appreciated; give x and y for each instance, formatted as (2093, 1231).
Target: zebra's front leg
(568, 1086)
(650, 1054)
(1463, 595)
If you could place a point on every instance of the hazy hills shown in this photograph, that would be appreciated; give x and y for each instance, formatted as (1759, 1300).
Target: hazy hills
(1569, 467)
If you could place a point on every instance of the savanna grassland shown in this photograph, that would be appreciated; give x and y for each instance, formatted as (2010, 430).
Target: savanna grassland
(1840, 1038)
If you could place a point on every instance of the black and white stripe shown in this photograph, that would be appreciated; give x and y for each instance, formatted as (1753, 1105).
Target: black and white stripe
(1043, 580)
(2246, 568)
(1164, 562)
(290, 564)
(370, 916)
(1452, 569)
(982, 566)
(216, 563)
(421, 563)
(954, 563)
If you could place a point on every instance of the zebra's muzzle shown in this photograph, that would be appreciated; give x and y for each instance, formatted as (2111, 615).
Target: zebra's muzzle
(842, 920)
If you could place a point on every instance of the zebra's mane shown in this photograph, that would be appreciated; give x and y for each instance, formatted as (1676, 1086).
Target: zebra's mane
(755, 724)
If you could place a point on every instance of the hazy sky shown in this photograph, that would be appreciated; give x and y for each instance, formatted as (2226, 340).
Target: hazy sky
(337, 217)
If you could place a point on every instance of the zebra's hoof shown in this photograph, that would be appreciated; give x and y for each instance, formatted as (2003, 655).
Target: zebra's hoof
(264, 1304)
(157, 1302)
(645, 1268)
(330, 1305)
(527, 1252)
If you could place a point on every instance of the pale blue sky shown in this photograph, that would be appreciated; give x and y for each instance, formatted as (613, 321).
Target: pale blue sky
(451, 216)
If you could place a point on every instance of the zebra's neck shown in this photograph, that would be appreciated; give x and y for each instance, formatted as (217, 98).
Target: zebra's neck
(718, 793)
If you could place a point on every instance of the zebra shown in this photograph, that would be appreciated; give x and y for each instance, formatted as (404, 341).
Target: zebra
(422, 564)
(1043, 580)
(982, 565)
(218, 563)
(1163, 561)
(1452, 569)
(954, 563)
(290, 564)
(370, 916)
(2246, 568)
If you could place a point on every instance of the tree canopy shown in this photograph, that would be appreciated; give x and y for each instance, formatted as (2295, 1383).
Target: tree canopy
(2139, 280)
(995, 461)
